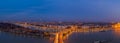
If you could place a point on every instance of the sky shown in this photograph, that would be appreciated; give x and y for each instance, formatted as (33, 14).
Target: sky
(60, 10)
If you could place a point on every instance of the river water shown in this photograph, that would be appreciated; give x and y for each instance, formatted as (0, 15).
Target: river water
(76, 37)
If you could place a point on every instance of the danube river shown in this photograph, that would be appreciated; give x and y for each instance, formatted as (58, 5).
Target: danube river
(111, 36)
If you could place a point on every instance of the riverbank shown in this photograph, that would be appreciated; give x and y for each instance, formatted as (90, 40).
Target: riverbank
(12, 28)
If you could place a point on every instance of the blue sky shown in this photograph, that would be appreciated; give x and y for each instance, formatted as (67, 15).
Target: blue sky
(60, 10)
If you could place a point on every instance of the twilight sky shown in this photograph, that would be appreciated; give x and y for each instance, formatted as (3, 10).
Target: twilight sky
(60, 10)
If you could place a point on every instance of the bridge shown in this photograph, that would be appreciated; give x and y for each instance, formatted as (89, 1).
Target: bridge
(61, 36)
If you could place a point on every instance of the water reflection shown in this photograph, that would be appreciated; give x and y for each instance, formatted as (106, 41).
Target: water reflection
(117, 32)
(15, 38)
(90, 37)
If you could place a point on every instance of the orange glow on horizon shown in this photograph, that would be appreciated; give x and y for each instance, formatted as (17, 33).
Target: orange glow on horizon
(116, 28)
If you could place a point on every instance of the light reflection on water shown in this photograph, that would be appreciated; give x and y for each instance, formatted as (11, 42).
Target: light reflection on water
(76, 37)
(89, 37)
(11, 38)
